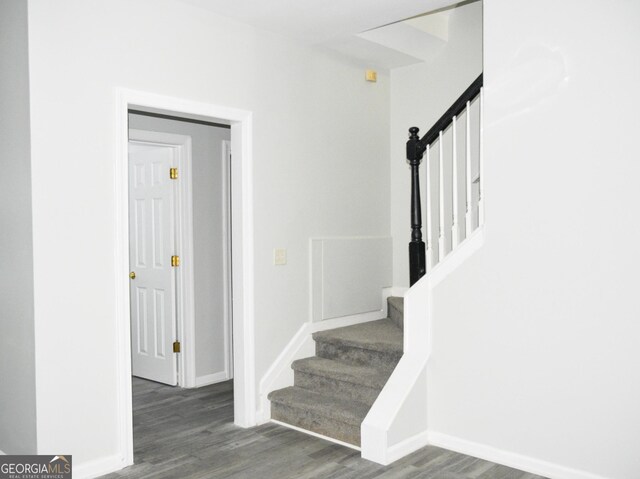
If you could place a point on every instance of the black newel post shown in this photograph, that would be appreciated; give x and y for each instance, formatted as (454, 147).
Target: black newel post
(417, 263)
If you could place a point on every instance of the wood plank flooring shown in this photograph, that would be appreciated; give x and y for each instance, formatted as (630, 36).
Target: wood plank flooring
(189, 434)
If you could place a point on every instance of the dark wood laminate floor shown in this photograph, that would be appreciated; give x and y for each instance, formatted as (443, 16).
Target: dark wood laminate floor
(189, 434)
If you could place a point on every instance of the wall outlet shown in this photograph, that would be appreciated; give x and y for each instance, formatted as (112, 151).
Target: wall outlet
(279, 256)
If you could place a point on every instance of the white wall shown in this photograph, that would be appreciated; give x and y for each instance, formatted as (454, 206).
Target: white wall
(348, 276)
(420, 94)
(208, 251)
(535, 340)
(17, 358)
(321, 169)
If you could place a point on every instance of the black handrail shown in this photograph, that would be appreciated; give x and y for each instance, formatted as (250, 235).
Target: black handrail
(454, 110)
(416, 147)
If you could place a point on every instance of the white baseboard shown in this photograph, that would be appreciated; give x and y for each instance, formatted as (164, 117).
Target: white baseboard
(315, 434)
(395, 291)
(208, 379)
(406, 447)
(99, 467)
(280, 375)
(507, 458)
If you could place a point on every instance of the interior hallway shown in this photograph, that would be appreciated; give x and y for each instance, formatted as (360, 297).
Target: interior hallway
(189, 434)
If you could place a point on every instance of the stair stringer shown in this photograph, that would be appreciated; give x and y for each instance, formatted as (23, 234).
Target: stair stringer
(397, 423)
(280, 375)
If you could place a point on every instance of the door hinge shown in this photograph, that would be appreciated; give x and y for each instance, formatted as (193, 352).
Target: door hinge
(175, 261)
(173, 173)
(176, 346)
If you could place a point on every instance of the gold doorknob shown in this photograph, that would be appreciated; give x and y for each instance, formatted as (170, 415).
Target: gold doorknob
(132, 275)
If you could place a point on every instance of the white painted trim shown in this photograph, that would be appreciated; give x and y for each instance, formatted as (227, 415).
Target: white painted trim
(442, 251)
(185, 282)
(226, 258)
(315, 434)
(186, 271)
(399, 291)
(430, 259)
(244, 384)
(124, 396)
(455, 221)
(214, 378)
(3, 453)
(98, 467)
(300, 345)
(280, 375)
(468, 181)
(507, 458)
(243, 256)
(406, 447)
(481, 163)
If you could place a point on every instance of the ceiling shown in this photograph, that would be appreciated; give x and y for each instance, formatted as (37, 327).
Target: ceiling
(333, 23)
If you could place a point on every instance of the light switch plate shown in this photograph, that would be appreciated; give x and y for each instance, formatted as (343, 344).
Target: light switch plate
(279, 256)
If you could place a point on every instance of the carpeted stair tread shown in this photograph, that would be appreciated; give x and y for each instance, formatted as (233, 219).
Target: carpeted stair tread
(349, 373)
(334, 390)
(381, 335)
(314, 403)
(395, 309)
(397, 302)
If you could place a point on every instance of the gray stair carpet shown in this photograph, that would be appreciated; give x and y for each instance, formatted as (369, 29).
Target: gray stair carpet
(334, 390)
(396, 310)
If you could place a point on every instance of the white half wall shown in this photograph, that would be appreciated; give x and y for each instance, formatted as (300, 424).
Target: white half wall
(17, 337)
(397, 423)
(535, 338)
(312, 178)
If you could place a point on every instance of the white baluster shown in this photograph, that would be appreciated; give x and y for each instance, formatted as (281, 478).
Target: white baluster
(428, 203)
(480, 166)
(455, 228)
(441, 238)
(468, 213)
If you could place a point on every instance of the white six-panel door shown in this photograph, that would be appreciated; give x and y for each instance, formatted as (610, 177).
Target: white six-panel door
(151, 245)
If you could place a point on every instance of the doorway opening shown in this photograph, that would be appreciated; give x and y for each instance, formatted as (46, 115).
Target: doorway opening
(161, 215)
(179, 250)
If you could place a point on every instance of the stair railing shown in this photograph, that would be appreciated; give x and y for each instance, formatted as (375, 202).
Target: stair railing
(446, 127)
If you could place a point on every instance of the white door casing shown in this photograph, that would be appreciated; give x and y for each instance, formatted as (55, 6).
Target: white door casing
(227, 297)
(244, 382)
(152, 243)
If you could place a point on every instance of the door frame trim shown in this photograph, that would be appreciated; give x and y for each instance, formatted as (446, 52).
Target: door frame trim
(183, 222)
(241, 122)
(226, 259)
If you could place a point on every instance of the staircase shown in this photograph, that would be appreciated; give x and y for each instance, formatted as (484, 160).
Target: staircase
(334, 390)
